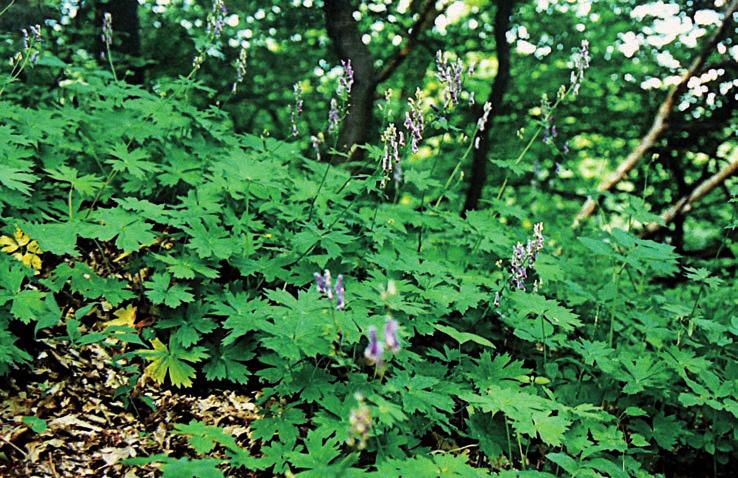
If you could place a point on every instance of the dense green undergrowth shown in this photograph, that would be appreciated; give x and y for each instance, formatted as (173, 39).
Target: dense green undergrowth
(142, 222)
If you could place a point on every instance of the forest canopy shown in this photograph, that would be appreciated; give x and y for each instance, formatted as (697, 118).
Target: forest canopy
(414, 238)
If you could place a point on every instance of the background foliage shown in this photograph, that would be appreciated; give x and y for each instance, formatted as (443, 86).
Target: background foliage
(172, 216)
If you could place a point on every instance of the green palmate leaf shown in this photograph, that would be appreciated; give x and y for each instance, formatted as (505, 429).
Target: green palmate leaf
(86, 185)
(132, 162)
(187, 468)
(162, 291)
(172, 360)
(57, 238)
(17, 179)
(226, 363)
(464, 337)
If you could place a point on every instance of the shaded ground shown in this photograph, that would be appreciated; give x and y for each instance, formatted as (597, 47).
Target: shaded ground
(85, 431)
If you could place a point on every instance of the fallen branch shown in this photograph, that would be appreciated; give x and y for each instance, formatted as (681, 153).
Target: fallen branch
(660, 121)
(684, 205)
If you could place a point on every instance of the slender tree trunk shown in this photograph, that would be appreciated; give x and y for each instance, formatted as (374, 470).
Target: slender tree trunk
(478, 176)
(346, 37)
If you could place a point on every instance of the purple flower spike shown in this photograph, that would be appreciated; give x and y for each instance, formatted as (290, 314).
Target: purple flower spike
(319, 282)
(375, 350)
(346, 81)
(340, 293)
(328, 284)
(390, 335)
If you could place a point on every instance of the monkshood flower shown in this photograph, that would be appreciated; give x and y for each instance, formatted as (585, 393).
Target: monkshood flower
(414, 121)
(346, 81)
(391, 340)
(107, 29)
(217, 19)
(328, 284)
(374, 352)
(524, 257)
(240, 68)
(581, 63)
(316, 141)
(296, 108)
(450, 73)
(333, 116)
(360, 422)
(535, 245)
(482, 121)
(340, 293)
(31, 38)
(518, 269)
(319, 283)
(392, 140)
(325, 287)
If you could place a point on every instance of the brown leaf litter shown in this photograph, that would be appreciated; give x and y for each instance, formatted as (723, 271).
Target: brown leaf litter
(88, 432)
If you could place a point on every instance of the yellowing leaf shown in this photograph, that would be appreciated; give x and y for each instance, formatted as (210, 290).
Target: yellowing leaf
(21, 237)
(15, 245)
(126, 316)
(8, 244)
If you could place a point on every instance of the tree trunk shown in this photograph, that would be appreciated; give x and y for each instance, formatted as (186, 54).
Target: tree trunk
(478, 176)
(346, 37)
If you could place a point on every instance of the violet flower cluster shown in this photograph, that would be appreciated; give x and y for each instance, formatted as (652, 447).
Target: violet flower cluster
(107, 29)
(240, 68)
(296, 108)
(216, 19)
(325, 287)
(376, 349)
(524, 257)
(581, 63)
(392, 139)
(346, 81)
(450, 73)
(31, 37)
(414, 121)
(334, 117)
(360, 422)
(482, 122)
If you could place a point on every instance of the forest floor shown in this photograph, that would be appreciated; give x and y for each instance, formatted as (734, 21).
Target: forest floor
(61, 419)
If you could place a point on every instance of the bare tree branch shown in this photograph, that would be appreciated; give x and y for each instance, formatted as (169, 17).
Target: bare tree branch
(427, 17)
(660, 121)
(478, 176)
(686, 203)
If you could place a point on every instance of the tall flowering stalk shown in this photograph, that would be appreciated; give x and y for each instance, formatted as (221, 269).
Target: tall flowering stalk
(243, 56)
(581, 63)
(374, 351)
(295, 108)
(334, 117)
(216, 19)
(524, 257)
(392, 139)
(482, 122)
(346, 80)
(414, 121)
(324, 286)
(106, 35)
(360, 422)
(450, 73)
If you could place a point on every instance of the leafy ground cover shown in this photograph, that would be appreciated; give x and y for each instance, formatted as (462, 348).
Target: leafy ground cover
(180, 299)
